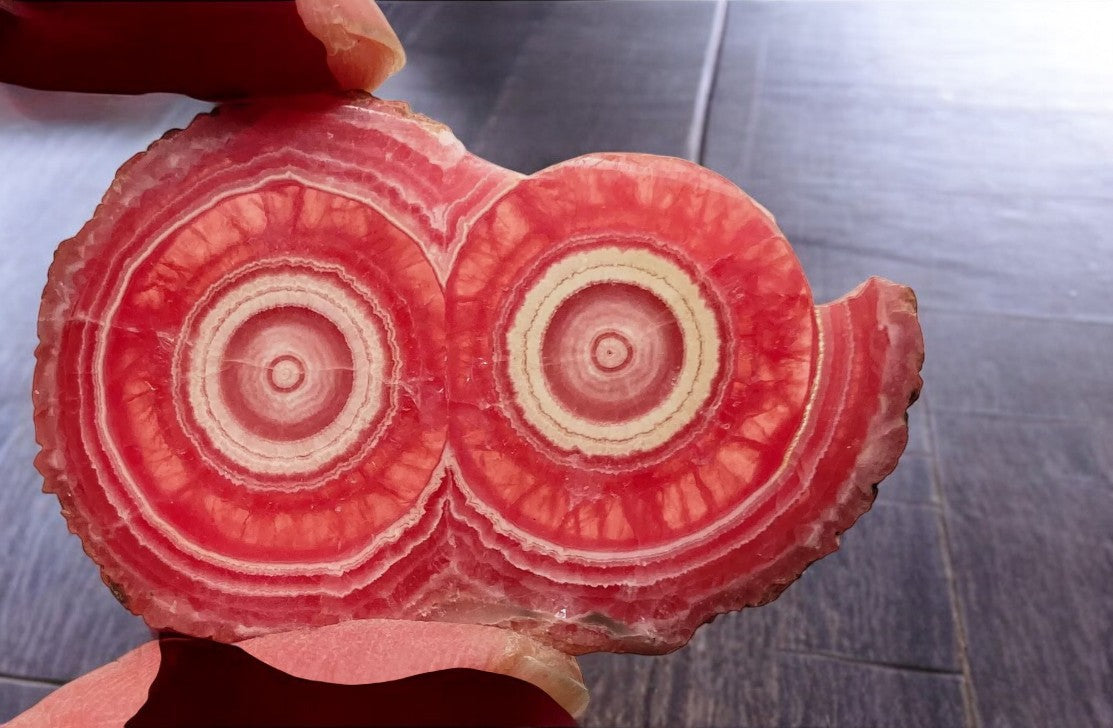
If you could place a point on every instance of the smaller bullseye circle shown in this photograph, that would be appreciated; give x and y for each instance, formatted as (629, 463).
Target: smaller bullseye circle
(610, 351)
(286, 373)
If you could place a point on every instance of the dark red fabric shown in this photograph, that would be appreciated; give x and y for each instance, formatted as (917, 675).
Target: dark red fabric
(210, 50)
(201, 683)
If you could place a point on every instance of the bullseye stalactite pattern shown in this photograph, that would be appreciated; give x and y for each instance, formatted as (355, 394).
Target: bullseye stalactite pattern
(254, 341)
(639, 387)
(312, 364)
(272, 383)
(660, 426)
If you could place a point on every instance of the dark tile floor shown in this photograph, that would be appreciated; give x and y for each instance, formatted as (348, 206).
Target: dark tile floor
(966, 150)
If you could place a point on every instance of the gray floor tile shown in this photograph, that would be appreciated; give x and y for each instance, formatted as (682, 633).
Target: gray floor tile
(1027, 367)
(726, 676)
(883, 597)
(17, 696)
(823, 691)
(1028, 522)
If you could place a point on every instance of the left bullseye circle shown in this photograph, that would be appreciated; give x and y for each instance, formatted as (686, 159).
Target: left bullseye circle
(259, 402)
(261, 398)
(240, 382)
(284, 370)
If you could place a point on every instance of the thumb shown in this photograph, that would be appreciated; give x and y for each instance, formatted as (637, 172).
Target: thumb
(363, 49)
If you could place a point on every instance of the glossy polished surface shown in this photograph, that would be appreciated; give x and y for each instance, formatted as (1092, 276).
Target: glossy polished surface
(966, 151)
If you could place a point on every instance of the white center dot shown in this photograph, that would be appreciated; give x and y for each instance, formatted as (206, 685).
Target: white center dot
(286, 373)
(611, 351)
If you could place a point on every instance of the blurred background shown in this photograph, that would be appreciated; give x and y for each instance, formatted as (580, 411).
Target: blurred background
(965, 150)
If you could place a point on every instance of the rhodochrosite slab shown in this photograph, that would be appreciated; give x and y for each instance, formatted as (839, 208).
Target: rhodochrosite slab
(315, 362)
(240, 391)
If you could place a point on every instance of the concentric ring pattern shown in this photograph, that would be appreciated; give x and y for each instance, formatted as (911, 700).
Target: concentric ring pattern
(312, 361)
(241, 384)
(631, 390)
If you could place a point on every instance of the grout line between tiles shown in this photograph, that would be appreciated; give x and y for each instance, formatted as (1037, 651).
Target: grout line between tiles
(695, 147)
(41, 682)
(647, 699)
(1021, 417)
(899, 666)
(1036, 317)
(969, 694)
